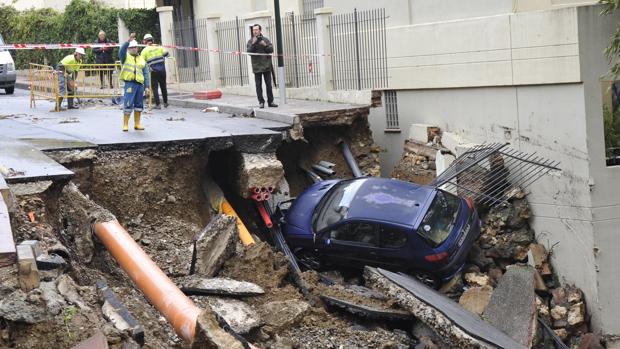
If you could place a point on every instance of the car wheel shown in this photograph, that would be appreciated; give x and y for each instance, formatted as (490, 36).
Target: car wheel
(9, 90)
(308, 259)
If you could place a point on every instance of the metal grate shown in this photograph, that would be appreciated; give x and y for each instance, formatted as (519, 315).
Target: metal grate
(490, 173)
(391, 110)
(233, 67)
(310, 5)
(193, 66)
(300, 50)
(358, 45)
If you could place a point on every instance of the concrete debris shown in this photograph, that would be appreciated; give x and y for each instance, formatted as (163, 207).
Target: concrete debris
(420, 330)
(8, 254)
(97, 341)
(210, 335)
(576, 314)
(19, 306)
(238, 315)
(477, 279)
(426, 343)
(257, 171)
(72, 156)
(115, 312)
(418, 162)
(281, 314)
(68, 288)
(50, 262)
(197, 285)
(214, 245)
(35, 245)
(53, 300)
(27, 268)
(367, 311)
(512, 307)
(475, 299)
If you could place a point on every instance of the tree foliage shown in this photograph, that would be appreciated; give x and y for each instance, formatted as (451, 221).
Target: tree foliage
(79, 23)
(612, 52)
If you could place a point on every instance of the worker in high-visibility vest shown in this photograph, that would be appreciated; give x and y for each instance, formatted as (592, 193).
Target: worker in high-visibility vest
(155, 55)
(68, 69)
(135, 74)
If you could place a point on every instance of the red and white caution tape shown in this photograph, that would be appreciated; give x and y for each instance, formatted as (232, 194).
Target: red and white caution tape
(112, 45)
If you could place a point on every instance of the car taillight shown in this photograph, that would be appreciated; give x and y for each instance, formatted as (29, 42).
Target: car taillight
(434, 258)
(470, 203)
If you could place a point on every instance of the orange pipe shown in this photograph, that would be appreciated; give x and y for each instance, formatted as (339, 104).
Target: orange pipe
(176, 307)
(264, 215)
(244, 234)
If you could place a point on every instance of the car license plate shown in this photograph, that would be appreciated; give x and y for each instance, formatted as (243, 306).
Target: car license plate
(463, 235)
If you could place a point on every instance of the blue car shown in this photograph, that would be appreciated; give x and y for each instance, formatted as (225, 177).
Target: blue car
(396, 225)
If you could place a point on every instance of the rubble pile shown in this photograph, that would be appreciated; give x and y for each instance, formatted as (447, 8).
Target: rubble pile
(417, 163)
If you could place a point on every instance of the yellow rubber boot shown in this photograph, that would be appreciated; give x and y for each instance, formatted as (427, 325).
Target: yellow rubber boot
(136, 120)
(125, 122)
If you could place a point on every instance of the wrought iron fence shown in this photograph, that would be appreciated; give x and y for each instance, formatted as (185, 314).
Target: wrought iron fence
(233, 68)
(193, 66)
(358, 46)
(300, 49)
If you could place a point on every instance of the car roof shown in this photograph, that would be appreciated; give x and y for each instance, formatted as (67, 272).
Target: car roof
(389, 201)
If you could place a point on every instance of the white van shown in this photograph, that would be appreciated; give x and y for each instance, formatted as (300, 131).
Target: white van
(7, 70)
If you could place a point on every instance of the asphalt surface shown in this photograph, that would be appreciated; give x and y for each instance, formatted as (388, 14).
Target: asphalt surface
(25, 132)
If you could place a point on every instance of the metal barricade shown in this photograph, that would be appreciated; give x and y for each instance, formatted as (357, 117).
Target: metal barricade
(43, 82)
(91, 81)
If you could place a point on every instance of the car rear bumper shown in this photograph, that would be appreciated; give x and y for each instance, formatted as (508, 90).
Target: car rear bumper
(456, 263)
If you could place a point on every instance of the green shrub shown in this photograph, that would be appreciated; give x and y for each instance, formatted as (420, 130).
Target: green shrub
(80, 23)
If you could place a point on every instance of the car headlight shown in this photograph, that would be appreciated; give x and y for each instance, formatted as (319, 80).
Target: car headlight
(11, 67)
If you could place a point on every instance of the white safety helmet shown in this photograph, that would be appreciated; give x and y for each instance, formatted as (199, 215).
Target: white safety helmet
(147, 37)
(80, 50)
(133, 43)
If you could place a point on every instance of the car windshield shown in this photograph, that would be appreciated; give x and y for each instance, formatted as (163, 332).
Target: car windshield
(336, 204)
(440, 218)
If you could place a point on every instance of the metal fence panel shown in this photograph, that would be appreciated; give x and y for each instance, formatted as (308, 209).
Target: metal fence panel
(233, 67)
(359, 50)
(192, 66)
(299, 38)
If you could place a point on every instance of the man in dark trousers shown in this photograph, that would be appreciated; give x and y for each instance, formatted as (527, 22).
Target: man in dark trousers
(103, 55)
(261, 64)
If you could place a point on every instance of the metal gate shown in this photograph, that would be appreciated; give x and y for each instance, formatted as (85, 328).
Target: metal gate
(233, 67)
(193, 66)
(358, 45)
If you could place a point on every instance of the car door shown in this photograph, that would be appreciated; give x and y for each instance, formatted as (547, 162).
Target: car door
(394, 251)
(352, 244)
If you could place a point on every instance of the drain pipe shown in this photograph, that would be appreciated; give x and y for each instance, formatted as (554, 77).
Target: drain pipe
(176, 307)
(244, 233)
(348, 156)
(315, 178)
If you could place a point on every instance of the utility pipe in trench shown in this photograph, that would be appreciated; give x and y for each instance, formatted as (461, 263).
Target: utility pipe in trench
(175, 306)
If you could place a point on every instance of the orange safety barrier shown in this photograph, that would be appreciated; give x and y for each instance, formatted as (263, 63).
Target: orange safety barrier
(175, 306)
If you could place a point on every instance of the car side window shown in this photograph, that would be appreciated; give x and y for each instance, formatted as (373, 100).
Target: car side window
(364, 233)
(392, 237)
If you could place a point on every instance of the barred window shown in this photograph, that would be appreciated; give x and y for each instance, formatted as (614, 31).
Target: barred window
(391, 111)
(310, 6)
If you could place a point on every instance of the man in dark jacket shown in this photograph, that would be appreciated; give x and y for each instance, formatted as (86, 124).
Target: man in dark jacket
(261, 64)
(103, 55)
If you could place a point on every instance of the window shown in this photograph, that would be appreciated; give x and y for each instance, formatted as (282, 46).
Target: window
(335, 206)
(361, 233)
(440, 218)
(391, 112)
(310, 5)
(391, 237)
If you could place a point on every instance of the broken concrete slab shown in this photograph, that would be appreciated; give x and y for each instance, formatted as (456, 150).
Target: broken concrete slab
(21, 162)
(97, 341)
(6, 195)
(35, 245)
(50, 262)
(476, 299)
(68, 288)
(53, 300)
(424, 133)
(27, 268)
(8, 253)
(458, 327)
(282, 314)
(257, 171)
(19, 306)
(115, 312)
(209, 334)
(368, 311)
(238, 315)
(214, 245)
(512, 308)
(200, 286)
